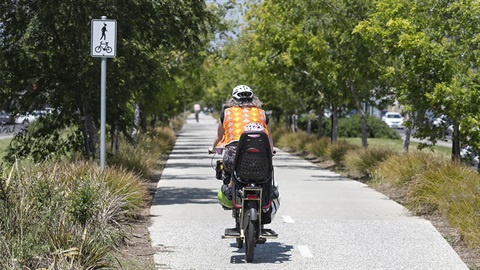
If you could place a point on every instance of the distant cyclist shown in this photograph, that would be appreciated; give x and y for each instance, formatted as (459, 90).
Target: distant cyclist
(197, 109)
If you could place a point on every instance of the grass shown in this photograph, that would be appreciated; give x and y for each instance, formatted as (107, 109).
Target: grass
(3, 146)
(60, 214)
(398, 145)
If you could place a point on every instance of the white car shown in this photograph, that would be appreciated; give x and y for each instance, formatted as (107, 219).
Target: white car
(29, 117)
(393, 119)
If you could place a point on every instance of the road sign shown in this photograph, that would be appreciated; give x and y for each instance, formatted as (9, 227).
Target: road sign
(104, 38)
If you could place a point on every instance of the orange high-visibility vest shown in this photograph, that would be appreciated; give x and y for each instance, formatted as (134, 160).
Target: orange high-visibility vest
(235, 120)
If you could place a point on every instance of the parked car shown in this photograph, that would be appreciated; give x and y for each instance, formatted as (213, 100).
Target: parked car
(443, 121)
(29, 117)
(470, 155)
(393, 119)
(5, 118)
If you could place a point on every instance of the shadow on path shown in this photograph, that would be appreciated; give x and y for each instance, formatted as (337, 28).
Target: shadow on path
(185, 195)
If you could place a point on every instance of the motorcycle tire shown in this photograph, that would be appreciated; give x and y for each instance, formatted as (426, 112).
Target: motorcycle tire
(249, 240)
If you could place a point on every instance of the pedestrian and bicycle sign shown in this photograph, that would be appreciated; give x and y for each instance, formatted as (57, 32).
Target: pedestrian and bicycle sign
(104, 38)
(103, 44)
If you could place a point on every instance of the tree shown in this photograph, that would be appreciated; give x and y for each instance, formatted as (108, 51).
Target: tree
(45, 43)
(431, 62)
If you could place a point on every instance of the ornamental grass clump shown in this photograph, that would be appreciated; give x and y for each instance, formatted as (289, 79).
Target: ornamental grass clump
(293, 141)
(453, 191)
(339, 150)
(360, 163)
(318, 147)
(65, 215)
(142, 156)
(398, 170)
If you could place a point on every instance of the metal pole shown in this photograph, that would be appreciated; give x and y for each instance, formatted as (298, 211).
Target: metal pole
(103, 91)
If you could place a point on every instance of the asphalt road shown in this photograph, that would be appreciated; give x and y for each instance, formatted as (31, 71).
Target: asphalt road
(9, 131)
(325, 221)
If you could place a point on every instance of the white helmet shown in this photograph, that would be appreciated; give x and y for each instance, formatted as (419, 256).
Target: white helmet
(242, 92)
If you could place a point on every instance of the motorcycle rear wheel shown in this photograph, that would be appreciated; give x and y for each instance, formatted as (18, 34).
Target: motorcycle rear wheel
(249, 240)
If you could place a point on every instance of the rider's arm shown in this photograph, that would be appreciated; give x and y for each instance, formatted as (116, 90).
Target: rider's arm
(270, 138)
(219, 135)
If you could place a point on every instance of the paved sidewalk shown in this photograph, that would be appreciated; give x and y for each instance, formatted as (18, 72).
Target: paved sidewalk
(325, 221)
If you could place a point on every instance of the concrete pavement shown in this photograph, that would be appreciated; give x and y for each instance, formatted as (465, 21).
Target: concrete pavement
(325, 221)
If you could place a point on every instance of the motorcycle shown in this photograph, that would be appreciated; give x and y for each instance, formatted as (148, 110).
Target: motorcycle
(252, 180)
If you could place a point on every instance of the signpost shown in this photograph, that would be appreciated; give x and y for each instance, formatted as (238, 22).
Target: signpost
(103, 44)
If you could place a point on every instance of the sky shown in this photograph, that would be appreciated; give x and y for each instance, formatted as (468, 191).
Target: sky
(234, 14)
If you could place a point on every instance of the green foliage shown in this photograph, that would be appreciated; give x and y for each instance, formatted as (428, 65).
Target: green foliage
(3, 147)
(82, 202)
(350, 128)
(45, 139)
(161, 47)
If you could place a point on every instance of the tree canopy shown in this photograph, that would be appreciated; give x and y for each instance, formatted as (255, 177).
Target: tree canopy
(46, 61)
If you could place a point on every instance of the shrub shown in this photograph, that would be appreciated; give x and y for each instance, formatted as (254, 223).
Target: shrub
(293, 141)
(376, 128)
(64, 215)
(132, 158)
(339, 150)
(278, 130)
(142, 157)
(177, 123)
(398, 170)
(318, 147)
(44, 139)
(454, 191)
(360, 163)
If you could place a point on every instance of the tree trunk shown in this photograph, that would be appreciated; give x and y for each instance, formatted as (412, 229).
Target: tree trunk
(320, 123)
(309, 126)
(288, 122)
(153, 120)
(363, 120)
(408, 133)
(406, 142)
(334, 135)
(143, 120)
(115, 144)
(295, 122)
(136, 121)
(456, 142)
(93, 140)
(86, 145)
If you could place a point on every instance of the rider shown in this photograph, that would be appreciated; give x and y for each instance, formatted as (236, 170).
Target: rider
(196, 109)
(242, 110)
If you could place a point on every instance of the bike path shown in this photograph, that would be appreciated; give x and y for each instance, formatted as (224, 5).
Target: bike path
(325, 221)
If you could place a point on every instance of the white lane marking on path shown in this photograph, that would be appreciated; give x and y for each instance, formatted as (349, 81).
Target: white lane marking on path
(288, 219)
(304, 251)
